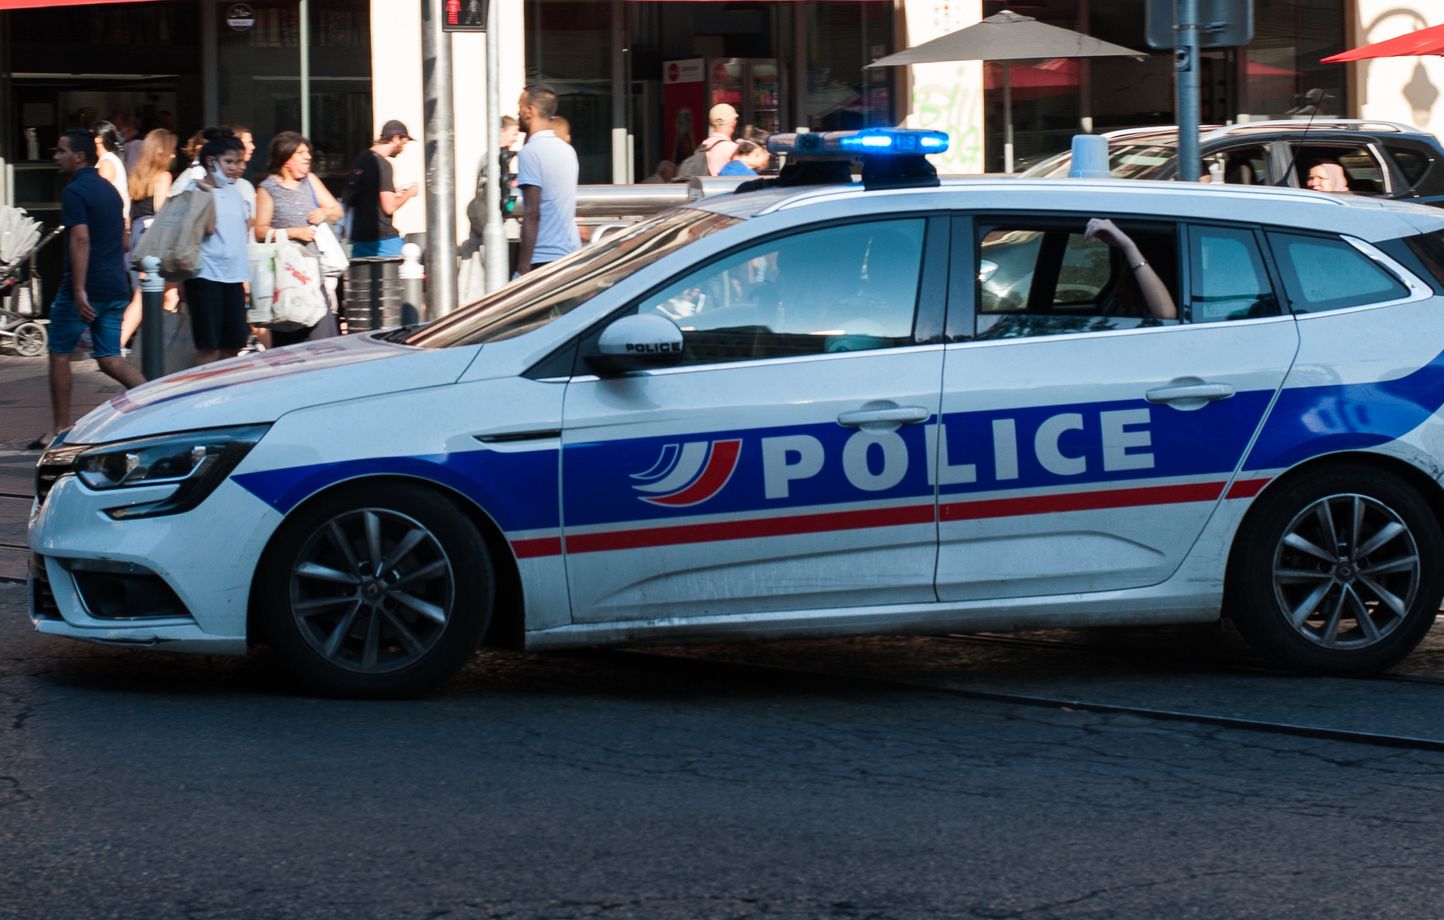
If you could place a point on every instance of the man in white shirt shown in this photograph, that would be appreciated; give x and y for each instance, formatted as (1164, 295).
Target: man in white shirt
(547, 176)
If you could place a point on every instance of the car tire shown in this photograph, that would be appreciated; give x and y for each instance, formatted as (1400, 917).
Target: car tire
(346, 624)
(1337, 572)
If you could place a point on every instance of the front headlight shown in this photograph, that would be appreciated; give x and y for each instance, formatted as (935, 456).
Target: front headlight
(193, 461)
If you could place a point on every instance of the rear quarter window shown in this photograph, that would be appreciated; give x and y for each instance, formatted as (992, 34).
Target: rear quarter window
(1429, 248)
(1323, 273)
(1412, 163)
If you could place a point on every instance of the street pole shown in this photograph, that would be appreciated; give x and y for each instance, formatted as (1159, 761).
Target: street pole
(1186, 57)
(440, 161)
(493, 235)
(152, 299)
(303, 12)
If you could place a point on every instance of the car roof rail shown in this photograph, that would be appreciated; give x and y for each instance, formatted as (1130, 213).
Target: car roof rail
(1317, 124)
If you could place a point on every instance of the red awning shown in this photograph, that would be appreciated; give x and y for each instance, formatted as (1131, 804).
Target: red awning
(37, 4)
(1422, 41)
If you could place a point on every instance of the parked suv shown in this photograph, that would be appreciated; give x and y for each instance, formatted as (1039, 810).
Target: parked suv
(1379, 158)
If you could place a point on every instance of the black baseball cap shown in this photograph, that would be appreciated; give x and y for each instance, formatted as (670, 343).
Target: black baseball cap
(394, 128)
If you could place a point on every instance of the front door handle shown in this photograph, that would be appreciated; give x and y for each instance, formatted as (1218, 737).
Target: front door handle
(890, 417)
(1189, 395)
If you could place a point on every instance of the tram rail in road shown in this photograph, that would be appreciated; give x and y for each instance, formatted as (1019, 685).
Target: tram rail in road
(1392, 710)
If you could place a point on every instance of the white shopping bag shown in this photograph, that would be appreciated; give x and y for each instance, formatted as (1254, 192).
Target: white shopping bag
(263, 279)
(300, 300)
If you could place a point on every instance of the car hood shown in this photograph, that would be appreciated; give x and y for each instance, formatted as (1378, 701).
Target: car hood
(264, 386)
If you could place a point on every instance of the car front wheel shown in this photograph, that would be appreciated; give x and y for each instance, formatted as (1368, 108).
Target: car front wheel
(1338, 572)
(378, 593)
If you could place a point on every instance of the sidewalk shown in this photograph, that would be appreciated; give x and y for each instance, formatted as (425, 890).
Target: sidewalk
(25, 414)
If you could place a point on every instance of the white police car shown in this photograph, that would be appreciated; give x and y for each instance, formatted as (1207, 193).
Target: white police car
(903, 406)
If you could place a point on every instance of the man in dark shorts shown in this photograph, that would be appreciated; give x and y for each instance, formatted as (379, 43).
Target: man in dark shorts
(95, 287)
(373, 196)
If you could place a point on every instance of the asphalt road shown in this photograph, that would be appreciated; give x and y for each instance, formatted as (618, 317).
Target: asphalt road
(623, 784)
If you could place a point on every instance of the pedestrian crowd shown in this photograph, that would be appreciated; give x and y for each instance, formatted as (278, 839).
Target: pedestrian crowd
(245, 268)
(250, 267)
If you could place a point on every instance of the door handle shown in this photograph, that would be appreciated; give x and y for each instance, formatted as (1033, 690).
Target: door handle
(1189, 395)
(890, 417)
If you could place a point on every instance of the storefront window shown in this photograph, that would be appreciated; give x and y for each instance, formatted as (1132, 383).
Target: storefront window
(1278, 75)
(1282, 75)
(843, 38)
(569, 47)
(73, 66)
(683, 58)
(260, 80)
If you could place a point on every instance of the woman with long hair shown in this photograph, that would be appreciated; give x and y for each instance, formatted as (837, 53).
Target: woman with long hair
(148, 185)
(108, 147)
(293, 199)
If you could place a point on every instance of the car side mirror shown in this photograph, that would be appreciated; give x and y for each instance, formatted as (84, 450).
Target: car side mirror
(635, 343)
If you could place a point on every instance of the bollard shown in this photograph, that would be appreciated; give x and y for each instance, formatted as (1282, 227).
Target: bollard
(152, 300)
(413, 274)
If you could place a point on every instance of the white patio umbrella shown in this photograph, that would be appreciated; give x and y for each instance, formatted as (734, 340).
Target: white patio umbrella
(1007, 37)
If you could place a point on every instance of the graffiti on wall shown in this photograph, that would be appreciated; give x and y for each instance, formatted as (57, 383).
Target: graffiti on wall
(947, 97)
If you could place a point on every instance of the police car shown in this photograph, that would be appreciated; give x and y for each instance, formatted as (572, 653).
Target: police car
(899, 405)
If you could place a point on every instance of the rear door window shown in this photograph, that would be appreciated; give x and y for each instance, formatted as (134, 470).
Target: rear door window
(1041, 277)
(1322, 273)
(1412, 163)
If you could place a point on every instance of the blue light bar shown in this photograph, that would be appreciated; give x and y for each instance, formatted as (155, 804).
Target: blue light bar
(869, 141)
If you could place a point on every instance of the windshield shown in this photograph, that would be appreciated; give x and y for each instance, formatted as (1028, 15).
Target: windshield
(542, 296)
(1126, 160)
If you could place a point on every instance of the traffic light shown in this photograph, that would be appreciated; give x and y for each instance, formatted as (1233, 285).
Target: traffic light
(465, 16)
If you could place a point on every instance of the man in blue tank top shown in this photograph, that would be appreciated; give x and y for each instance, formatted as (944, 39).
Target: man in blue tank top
(95, 287)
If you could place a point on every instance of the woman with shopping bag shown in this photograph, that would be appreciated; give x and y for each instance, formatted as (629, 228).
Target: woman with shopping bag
(216, 296)
(292, 199)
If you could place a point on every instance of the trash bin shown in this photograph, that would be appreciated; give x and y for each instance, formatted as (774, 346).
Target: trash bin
(374, 293)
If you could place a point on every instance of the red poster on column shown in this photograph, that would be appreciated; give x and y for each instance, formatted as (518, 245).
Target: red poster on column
(684, 107)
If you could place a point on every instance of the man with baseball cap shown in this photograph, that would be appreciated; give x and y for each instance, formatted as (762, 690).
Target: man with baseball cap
(719, 143)
(372, 196)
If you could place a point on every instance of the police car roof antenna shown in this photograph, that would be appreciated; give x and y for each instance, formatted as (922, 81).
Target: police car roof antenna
(1313, 100)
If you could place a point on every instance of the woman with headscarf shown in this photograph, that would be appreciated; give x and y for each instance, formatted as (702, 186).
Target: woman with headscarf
(1328, 176)
(293, 199)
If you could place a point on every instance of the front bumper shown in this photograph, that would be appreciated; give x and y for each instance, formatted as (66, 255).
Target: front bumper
(199, 564)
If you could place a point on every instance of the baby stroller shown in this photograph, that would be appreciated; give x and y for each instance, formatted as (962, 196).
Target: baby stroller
(21, 328)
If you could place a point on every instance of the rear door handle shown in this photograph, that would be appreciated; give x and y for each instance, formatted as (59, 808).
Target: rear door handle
(884, 418)
(1189, 395)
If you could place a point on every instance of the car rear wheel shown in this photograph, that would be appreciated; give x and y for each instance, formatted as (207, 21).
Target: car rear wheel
(1338, 573)
(379, 594)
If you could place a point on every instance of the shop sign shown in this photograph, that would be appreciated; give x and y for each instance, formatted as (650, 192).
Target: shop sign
(241, 17)
(691, 70)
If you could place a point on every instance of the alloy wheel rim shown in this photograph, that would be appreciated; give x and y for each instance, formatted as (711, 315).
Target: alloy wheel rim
(372, 591)
(1346, 572)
